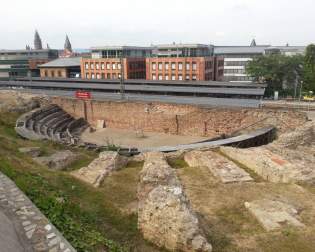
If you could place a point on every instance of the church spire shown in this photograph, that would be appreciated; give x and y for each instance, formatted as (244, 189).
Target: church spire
(67, 45)
(253, 43)
(37, 41)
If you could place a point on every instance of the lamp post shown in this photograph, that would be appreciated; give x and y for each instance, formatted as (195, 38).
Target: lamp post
(301, 88)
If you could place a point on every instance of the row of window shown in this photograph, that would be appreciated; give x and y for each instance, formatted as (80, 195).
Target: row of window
(238, 78)
(235, 63)
(102, 76)
(98, 66)
(53, 73)
(234, 71)
(173, 66)
(172, 77)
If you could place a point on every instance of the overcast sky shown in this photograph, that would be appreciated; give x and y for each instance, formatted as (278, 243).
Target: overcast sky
(142, 22)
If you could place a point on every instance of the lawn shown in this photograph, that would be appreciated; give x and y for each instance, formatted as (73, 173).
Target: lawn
(90, 219)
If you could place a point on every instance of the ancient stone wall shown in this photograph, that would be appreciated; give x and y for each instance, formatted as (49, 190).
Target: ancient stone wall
(176, 119)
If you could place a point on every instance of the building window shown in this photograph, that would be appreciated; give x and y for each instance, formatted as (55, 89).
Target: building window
(103, 76)
(86, 66)
(153, 66)
(114, 66)
(194, 77)
(46, 73)
(108, 76)
(160, 66)
(59, 73)
(187, 77)
(180, 77)
(187, 66)
(180, 66)
(98, 76)
(114, 76)
(92, 65)
(153, 77)
(166, 66)
(173, 77)
(97, 66)
(119, 76)
(119, 66)
(108, 66)
(160, 77)
(93, 76)
(103, 66)
(173, 66)
(194, 66)
(166, 77)
(52, 73)
(87, 76)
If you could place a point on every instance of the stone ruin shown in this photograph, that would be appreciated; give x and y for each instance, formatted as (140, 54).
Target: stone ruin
(50, 122)
(291, 158)
(164, 214)
(98, 169)
(219, 166)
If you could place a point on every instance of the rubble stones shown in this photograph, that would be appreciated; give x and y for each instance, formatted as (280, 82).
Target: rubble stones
(274, 214)
(221, 167)
(58, 160)
(98, 169)
(31, 151)
(164, 214)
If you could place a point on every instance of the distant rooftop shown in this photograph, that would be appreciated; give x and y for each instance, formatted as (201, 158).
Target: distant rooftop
(63, 62)
(181, 45)
(25, 50)
(240, 49)
(120, 48)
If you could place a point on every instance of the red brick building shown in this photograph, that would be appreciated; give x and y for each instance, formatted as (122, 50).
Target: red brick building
(106, 63)
(183, 62)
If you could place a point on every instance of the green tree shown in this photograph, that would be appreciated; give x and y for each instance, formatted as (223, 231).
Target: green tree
(309, 70)
(281, 73)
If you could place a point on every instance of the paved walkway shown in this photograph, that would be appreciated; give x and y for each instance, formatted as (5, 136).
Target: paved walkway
(22, 226)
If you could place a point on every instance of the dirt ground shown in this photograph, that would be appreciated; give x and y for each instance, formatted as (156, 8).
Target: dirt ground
(230, 227)
(127, 138)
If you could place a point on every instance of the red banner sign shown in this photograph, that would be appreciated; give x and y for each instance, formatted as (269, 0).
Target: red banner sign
(83, 95)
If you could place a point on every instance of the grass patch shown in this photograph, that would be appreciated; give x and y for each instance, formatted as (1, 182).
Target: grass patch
(89, 218)
(177, 163)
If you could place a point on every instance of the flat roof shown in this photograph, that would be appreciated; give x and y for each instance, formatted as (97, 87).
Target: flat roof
(120, 48)
(182, 46)
(239, 49)
(63, 62)
(24, 50)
